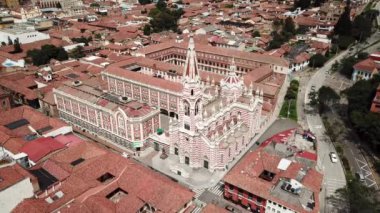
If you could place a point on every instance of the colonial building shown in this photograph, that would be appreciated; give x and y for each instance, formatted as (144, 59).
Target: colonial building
(211, 121)
(367, 68)
(263, 181)
(213, 59)
(121, 121)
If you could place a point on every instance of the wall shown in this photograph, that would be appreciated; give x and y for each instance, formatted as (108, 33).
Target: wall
(24, 38)
(13, 195)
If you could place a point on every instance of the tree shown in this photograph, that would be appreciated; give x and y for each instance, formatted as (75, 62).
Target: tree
(94, 4)
(346, 66)
(313, 96)
(303, 4)
(365, 123)
(46, 53)
(289, 26)
(362, 55)
(62, 54)
(77, 52)
(318, 3)
(147, 29)
(344, 26)
(356, 197)
(317, 60)
(335, 66)
(143, 2)
(256, 34)
(326, 97)
(10, 42)
(161, 5)
(17, 46)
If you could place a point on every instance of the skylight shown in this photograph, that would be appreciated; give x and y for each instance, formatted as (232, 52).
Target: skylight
(116, 195)
(17, 124)
(105, 177)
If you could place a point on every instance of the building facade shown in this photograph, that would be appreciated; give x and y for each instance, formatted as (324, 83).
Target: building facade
(208, 124)
(212, 130)
(122, 122)
(366, 69)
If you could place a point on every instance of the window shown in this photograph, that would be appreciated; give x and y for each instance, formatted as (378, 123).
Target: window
(231, 187)
(192, 92)
(187, 126)
(250, 196)
(187, 108)
(196, 108)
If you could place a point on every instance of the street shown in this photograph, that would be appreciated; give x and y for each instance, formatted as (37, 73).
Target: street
(334, 176)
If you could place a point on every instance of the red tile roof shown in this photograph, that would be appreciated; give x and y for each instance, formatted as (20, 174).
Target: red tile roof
(367, 65)
(41, 147)
(11, 175)
(245, 175)
(145, 79)
(84, 193)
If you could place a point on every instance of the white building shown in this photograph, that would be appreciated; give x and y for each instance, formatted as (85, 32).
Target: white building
(15, 186)
(25, 34)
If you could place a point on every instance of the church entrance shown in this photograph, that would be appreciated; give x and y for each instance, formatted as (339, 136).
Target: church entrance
(205, 164)
(187, 160)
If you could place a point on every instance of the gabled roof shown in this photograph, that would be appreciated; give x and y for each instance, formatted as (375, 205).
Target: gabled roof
(41, 147)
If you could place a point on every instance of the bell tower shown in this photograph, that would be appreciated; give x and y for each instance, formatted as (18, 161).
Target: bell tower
(191, 110)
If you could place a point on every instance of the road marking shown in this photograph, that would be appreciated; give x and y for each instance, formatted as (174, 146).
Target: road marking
(198, 192)
(217, 189)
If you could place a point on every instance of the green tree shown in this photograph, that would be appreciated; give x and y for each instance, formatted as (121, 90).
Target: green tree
(362, 55)
(147, 29)
(346, 66)
(143, 2)
(77, 52)
(326, 97)
(303, 4)
(318, 3)
(161, 5)
(356, 197)
(42, 56)
(317, 60)
(289, 26)
(10, 42)
(256, 34)
(344, 26)
(94, 4)
(313, 96)
(62, 54)
(17, 46)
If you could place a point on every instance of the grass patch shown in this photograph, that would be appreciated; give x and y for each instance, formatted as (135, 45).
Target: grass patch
(289, 107)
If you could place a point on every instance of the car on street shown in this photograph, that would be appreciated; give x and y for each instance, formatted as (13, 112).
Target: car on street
(333, 157)
(230, 208)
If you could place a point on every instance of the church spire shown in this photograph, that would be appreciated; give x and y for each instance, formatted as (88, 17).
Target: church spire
(191, 65)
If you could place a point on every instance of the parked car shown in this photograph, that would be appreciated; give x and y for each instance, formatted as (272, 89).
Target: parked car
(333, 157)
(230, 208)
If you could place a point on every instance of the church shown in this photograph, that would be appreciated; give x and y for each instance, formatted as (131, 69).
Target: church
(208, 116)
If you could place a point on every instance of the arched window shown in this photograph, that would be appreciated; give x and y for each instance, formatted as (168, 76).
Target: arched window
(186, 108)
(197, 107)
(192, 92)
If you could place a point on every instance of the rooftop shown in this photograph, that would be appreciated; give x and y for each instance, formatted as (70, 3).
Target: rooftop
(264, 174)
(95, 95)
